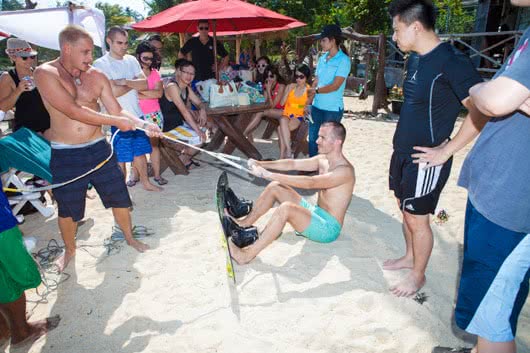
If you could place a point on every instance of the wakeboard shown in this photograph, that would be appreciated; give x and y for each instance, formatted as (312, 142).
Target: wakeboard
(222, 185)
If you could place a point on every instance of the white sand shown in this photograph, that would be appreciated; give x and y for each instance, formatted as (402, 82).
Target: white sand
(297, 296)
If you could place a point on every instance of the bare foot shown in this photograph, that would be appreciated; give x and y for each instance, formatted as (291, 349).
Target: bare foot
(398, 264)
(408, 286)
(151, 187)
(35, 330)
(138, 245)
(63, 260)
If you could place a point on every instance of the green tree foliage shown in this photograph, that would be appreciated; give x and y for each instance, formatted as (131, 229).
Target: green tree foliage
(157, 6)
(453, 17)
(115, 15)
(11, 5)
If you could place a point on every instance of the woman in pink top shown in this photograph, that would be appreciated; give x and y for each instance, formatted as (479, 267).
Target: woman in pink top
(145, 53)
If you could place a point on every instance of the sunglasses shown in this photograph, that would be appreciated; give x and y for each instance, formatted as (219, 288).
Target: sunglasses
(271, 76)
(261, 65)
(146, 58)
(203, 28)
(299, 76)
(28, 57)
(188, 72)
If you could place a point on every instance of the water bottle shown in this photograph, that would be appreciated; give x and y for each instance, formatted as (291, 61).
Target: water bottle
(29, 79)
(260, 88)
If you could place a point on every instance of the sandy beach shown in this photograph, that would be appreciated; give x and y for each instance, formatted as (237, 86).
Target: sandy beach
(296, 296)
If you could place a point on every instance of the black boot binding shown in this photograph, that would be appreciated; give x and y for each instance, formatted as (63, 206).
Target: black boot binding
(237, 207)
(241, 237)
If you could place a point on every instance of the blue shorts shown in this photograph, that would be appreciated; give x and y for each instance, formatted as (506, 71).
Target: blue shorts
(68, 163)
(130, 144)
(494, 280)
(324, 228)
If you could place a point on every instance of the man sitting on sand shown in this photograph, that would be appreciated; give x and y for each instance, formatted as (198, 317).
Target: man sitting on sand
(70, 89)
(18, 272)
(321, 223)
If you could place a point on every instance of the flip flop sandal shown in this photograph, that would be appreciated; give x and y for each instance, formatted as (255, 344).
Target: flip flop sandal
(160, 181)
(192, 163)
(131, 183)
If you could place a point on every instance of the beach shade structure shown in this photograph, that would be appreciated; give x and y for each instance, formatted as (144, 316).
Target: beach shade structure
(224, 15)
(42, 26)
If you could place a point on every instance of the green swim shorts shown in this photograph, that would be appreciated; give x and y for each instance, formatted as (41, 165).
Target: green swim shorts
(18, 271)
(324, 228)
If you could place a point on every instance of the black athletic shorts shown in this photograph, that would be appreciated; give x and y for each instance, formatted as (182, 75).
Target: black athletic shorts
(417, 189)
(68, 163)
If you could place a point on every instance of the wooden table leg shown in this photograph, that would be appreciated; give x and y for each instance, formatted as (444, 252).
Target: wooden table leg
(216, 141)
(169, 157)
(272, 125)
(237, 138)
(240, 123)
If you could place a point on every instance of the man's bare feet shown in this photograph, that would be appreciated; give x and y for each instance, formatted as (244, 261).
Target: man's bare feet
(138, 245)
(409, 285)
(63, 260)
(35, 330)
(151, 187)
(398, 264)
(239, 255)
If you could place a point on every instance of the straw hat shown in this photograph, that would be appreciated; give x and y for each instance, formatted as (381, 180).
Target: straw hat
(19, 47)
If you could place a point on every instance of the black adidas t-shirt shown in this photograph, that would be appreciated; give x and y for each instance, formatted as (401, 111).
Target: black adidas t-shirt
(435, 84)
(202, 56)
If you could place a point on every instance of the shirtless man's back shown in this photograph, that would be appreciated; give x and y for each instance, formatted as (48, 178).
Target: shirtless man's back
(71, 89)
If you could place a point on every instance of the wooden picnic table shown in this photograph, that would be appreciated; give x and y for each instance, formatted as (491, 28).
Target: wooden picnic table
(231, 122)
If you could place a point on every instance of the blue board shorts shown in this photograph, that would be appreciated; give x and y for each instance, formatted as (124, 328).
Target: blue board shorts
(494, 280)
(130, 144)
(68, 163)
(324, 228)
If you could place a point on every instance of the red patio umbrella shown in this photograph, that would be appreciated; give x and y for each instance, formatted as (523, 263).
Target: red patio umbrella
(225, 15)
(291, 25)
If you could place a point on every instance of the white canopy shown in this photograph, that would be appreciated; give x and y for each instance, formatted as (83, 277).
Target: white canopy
(42, 26)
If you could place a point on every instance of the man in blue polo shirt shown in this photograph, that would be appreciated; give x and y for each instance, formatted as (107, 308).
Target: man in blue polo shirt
(328, 87)
(18, 272)
(437, 81)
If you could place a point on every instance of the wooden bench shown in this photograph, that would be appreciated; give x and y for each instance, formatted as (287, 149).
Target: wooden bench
(169, 158)
(298, 136)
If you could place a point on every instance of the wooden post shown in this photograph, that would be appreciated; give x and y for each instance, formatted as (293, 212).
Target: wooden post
(215, 49)
(481, 20)
(238, 48)
(182, 39)
(258, 49)
(380, 86)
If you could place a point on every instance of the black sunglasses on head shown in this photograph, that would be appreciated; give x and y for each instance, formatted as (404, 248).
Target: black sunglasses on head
(28, 57)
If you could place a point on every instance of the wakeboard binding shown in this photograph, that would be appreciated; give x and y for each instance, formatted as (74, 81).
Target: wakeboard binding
(237, 207)
(241, 237)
